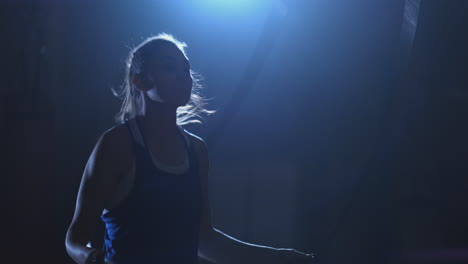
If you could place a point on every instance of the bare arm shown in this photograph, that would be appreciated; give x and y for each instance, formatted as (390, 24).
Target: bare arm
(221, 248)
(97, 185)
(225, 249)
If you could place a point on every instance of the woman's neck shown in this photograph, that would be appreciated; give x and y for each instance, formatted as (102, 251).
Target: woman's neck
(160, 119)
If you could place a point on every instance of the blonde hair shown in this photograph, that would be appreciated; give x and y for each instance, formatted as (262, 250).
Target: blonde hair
(138, 62)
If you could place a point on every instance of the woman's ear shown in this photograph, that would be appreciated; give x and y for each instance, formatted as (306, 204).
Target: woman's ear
(141, 83)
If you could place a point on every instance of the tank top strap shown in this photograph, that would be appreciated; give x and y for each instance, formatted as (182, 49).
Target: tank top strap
(133, 135)
(191, 151)
(185, 136)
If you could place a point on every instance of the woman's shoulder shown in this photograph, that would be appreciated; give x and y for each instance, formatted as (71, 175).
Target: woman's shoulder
(116, 135)
(116, 129)
(119, 145)
(198, 142)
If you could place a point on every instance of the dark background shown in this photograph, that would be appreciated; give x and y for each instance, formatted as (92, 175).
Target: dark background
(341, 125)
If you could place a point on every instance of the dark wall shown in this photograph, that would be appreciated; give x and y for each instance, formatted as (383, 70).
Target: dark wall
(431, 186)
(356, 149)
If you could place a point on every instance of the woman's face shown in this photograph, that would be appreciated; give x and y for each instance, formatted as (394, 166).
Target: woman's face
(171, 75)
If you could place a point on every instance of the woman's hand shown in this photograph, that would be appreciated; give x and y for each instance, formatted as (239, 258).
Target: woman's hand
(292, 256)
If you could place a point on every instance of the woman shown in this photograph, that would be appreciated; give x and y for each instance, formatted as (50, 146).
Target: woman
(147, 177)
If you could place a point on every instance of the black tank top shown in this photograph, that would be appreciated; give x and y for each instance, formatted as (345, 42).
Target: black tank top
(158, 221)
